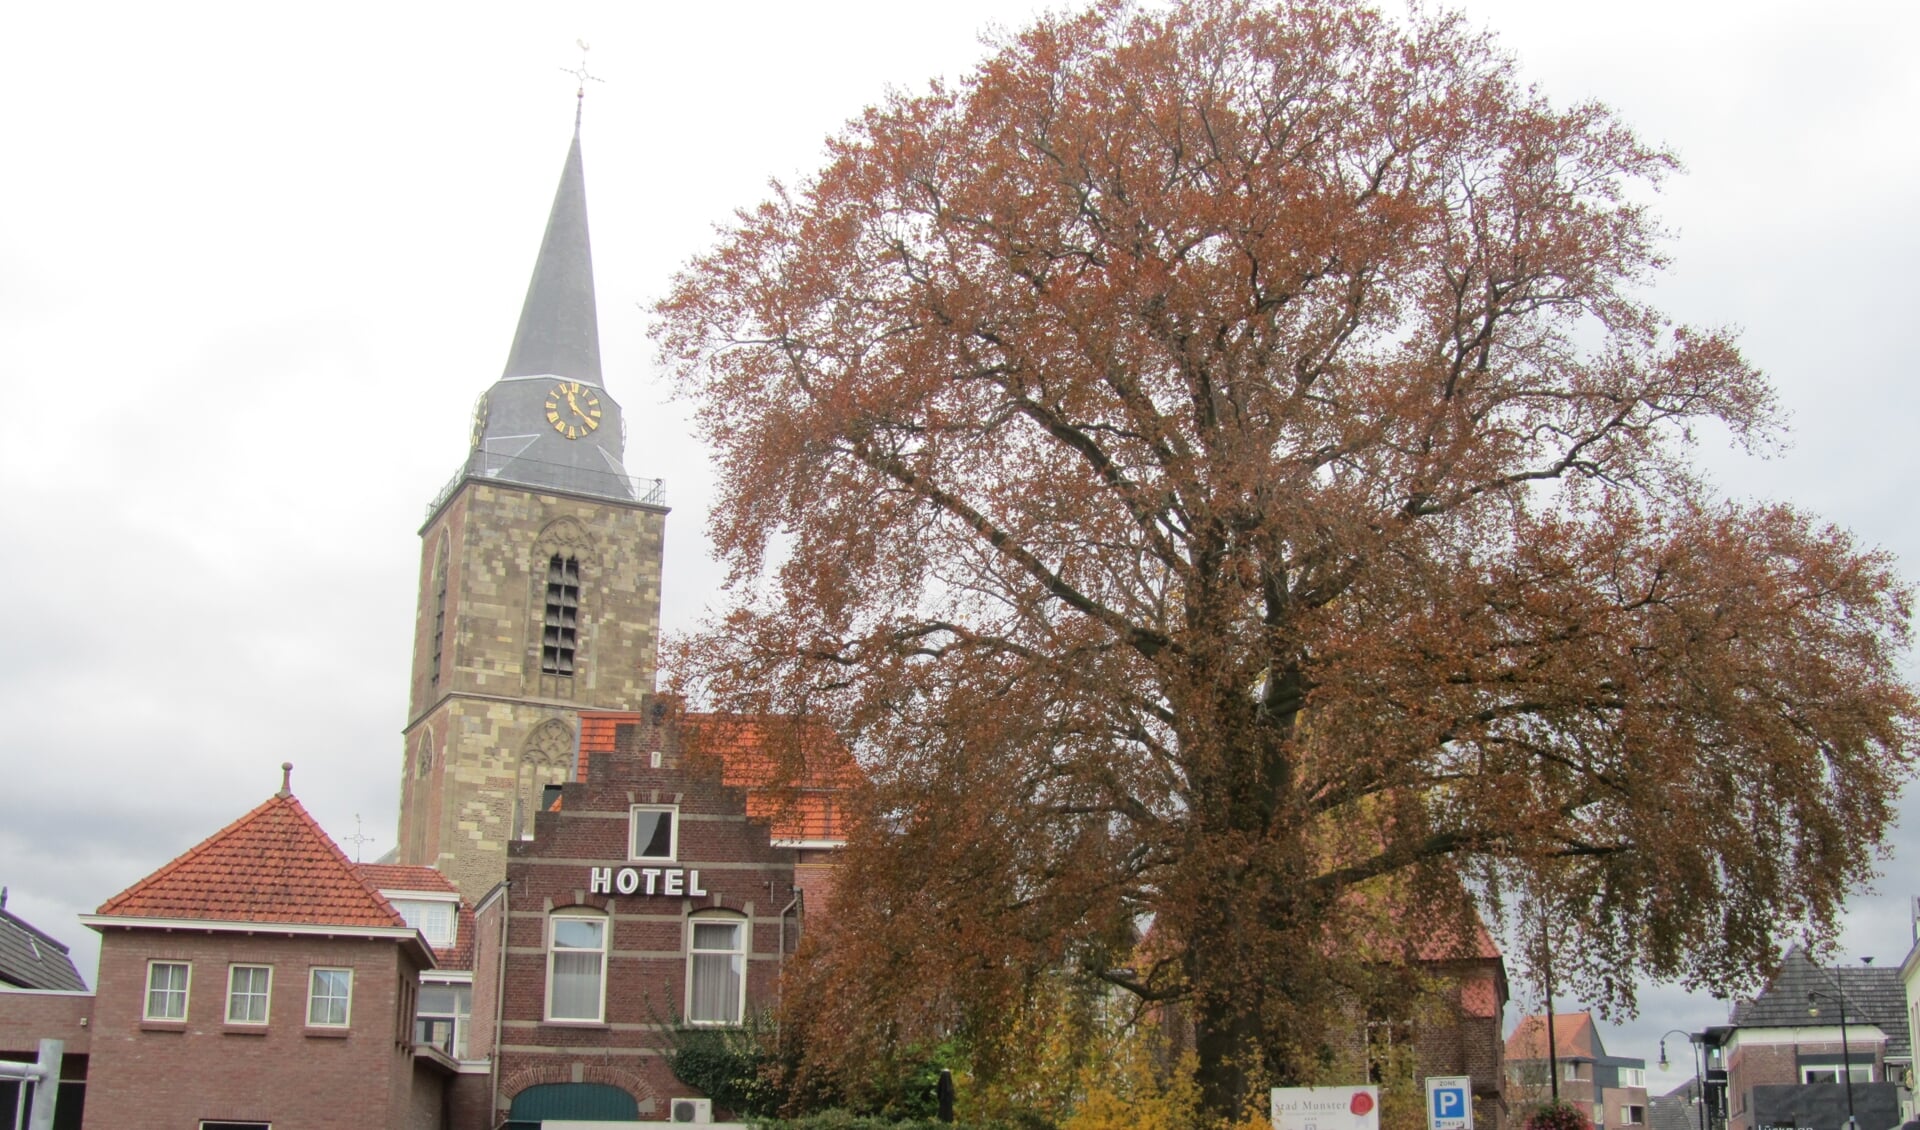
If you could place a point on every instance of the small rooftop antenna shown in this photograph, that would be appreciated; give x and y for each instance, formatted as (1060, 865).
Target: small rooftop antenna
(357, 839)
(580, 75)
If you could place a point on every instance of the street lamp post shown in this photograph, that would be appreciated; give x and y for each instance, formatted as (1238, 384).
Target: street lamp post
(1846, 1066)
(1699, 1086)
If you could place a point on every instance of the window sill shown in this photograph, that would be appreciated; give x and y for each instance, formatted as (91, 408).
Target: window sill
(163, 1026)
(243, 1029)
(576, 1024)
(339, 1033)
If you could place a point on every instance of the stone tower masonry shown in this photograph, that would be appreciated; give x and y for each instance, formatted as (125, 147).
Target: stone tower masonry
(539, 579)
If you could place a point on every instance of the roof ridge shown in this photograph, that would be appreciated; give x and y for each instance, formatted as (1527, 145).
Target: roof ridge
(191, 853)
(36, 931)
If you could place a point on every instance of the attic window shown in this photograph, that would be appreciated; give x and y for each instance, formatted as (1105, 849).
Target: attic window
(561, 624)
(433, 918)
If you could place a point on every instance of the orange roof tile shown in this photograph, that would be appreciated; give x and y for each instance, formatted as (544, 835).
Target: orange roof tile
(404, 877)
(1574, 1037)
(805, 808)
(273, 865)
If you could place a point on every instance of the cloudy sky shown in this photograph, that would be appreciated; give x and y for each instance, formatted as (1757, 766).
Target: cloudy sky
(256, 262)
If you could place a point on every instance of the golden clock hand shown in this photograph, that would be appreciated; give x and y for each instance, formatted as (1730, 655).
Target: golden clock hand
(575, 405)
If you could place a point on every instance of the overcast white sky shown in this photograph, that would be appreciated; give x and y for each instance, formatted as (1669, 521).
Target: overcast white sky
(257, 261)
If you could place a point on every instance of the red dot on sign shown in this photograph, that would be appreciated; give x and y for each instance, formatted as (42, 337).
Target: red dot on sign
(1362, 1103)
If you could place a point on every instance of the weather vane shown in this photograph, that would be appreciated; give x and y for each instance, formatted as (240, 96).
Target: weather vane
(581, 75)
(357, 839)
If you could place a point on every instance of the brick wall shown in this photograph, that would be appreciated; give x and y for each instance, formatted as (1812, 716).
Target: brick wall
(173, 1074)
(646, 968)
(28, 1016)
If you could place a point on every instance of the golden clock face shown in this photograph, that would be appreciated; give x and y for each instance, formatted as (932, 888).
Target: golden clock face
(572, 409)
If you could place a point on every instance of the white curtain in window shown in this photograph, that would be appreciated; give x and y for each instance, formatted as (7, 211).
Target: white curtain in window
(578, 957)
(718, 967)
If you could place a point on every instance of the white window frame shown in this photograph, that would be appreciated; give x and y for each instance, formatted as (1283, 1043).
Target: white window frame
(266, 995)
(743, 933)
(1633, 1076)
(313, 997)
(1861, 1070)
(673, 833)
(462, 1021)
(586, 914)
(422, 912)
(185, 990)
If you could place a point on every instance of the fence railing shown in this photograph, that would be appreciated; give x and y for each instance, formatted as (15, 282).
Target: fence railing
(553, 476)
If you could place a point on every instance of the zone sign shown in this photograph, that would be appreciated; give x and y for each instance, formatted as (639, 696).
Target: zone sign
(1449, 1102)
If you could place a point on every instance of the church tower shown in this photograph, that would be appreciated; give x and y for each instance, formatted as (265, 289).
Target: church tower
(539, 579)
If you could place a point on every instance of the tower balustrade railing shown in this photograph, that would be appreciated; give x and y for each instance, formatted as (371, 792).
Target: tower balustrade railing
(540, 474)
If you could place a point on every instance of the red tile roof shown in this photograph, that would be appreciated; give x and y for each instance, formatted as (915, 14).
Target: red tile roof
(273, 865)
(1574, 1037)
(404, 877)
(759, 755)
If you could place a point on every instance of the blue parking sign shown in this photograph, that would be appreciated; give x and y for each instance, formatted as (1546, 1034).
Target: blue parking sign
(1449, 1102)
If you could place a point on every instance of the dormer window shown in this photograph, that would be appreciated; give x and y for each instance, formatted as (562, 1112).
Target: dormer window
(436, 919)
(560, 633)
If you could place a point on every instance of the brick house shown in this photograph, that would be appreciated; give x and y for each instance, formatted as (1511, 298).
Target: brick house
(662, 887)
(1610, 1090)
(259, 981)
(42, 997)
(1787, 1063)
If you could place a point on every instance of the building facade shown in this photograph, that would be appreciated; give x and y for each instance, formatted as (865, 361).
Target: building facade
(1610, 1090)
(1821, 1046)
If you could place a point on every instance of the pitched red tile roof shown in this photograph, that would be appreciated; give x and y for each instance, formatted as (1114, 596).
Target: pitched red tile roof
(274, 865)
(752, 752)
(1574, 1037)
(404, 877)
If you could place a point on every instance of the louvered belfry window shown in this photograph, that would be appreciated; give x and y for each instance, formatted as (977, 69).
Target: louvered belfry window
(562, 621)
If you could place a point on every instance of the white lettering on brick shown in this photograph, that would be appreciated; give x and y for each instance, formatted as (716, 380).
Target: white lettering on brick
(693, 883)
(628, 881)
(674, 877)
(600, 881)
(653, 876)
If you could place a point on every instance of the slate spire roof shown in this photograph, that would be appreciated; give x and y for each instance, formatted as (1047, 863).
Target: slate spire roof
(559, 332)
(549, 421)
(273, 865)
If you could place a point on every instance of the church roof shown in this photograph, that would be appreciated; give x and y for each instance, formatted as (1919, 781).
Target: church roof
(559, 331)
(273, 865)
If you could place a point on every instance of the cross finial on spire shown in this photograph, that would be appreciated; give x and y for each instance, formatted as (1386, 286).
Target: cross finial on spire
(580, 73)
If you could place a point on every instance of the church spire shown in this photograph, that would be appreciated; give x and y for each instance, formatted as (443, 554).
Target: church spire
(559, 332)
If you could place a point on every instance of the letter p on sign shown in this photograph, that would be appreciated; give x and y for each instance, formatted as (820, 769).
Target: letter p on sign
(1449, 1102)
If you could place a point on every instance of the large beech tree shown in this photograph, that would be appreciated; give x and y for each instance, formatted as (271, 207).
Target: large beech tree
(1219, 469)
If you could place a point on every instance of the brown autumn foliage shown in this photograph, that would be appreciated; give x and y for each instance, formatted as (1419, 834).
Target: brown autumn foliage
(1219, 459)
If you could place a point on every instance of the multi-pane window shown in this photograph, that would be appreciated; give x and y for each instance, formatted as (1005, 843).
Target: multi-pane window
(716, 970)
(561, 624)
(248, 989)
(1830, 1073)
(1632, 1115)
(433, 918)
(442, 1015)
(330, 998)
(652, 832)
(576, 966)
(1633, 1077)
(167, 990)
